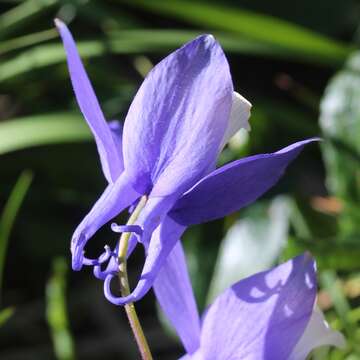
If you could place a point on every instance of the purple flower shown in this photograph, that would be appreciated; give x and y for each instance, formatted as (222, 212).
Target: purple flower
(269, 315)
(179, 121)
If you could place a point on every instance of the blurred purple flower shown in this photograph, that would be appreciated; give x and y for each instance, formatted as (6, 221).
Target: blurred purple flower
(267, 316)
(179, 121)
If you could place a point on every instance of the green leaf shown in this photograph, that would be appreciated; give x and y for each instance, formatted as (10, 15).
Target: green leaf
(9, 214)
(15, 17)
(5, 315)
(299, 42)
(41, 130)
(56, 312)
(328, 253)
(45, 55)
(252, 244)
(27, 40)
(121, 42)
(154, 40)
(340, 123)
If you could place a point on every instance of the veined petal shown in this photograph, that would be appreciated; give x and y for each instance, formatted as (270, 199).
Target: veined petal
(114, 199)
(174, 293)
(262, 317)
(317, 333)
(234, 186)
(239, 117)
(90, 108)
(157, 250)
(178, 118)
(116, 128)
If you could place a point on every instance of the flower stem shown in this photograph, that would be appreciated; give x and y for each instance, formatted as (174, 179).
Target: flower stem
(125, 288)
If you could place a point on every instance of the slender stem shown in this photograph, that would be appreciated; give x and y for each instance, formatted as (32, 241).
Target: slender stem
(125, 288)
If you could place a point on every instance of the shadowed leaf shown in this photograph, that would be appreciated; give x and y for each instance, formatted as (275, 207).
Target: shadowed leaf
(41, 130)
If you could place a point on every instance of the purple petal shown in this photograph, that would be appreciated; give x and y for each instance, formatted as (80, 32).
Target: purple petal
(234, 186)
(162, 242)
(110, 155)
(116, 128)
(263, 316)
(153, 214)
(115, 198)
(178, 118)
(195, 356)
(174, 292)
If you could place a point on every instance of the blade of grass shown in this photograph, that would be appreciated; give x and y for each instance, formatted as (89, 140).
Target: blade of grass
(44, 55)
(56, 312)
(130, 42)
(255, 26)
(27, 40)
(41, 130)
(9, 214)
(13, 18)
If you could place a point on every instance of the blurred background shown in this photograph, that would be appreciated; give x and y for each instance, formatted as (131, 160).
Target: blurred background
(297, 62)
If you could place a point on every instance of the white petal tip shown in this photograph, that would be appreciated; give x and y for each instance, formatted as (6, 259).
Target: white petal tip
(208, 39)
(317, 333)
(58, 23)
(241, 109)
(239, 98)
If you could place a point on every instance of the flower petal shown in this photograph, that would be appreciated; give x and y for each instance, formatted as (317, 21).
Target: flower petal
(114, 199)
(178, 118)
(174, 292)
(239, 117)
(317, 333)
(90, 108)
(263, 316)
(195, 356)
(157, 250)
(116, 128)
(234, 186)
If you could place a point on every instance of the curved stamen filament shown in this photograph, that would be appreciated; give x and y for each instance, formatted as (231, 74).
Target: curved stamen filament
(124, 284)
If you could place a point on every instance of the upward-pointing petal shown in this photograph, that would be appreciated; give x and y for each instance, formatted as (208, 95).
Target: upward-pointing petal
(109, 154)
(178, 118)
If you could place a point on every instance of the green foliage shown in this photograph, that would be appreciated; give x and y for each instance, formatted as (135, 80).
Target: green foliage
(42, 129)
(259, 28)
(283, 68)
(13, 19)
(56, 312)
(340, 122)
(8, 216)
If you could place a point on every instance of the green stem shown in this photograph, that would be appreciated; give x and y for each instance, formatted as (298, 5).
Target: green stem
(125, 288)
